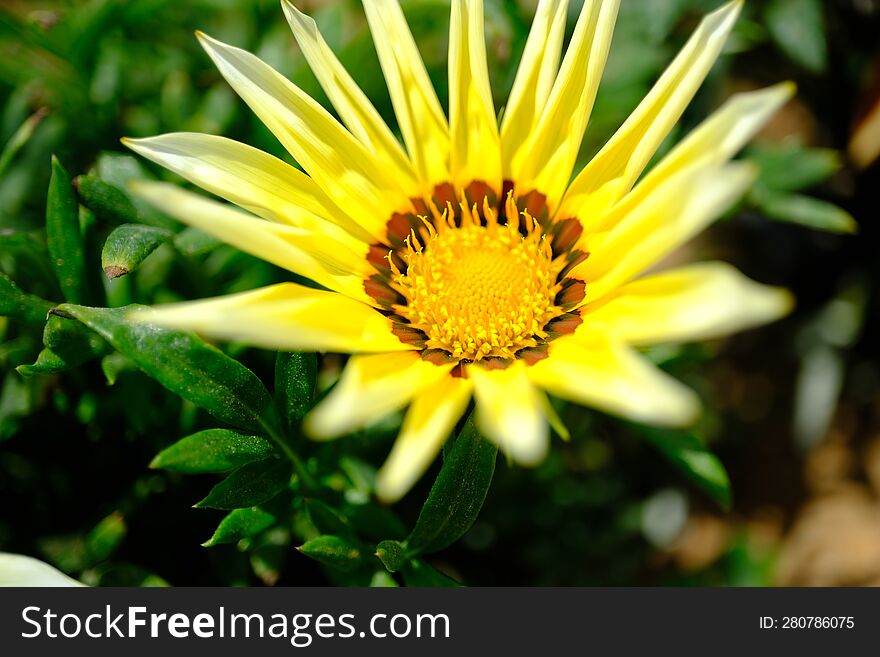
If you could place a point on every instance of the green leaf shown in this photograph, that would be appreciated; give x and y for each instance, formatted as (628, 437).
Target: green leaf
(808, 212)
(48, 362)
(68, 344)
(457, 495)
(790, 167)
(107, 202)
(118, 170)
(114, 364)
(250, 485)
(295, 377)
(239, 524)
(798, 27)
(213, 450)
(381, 579)
(193, 242)
(326, 519)
(187, 366)
(688, 453)
(21, 305)
(63, 235)
(418, 573)
(61, 334)
(392, 554)
(128, 245)
(375, 522)
(19, 138)
(333, 551)
(103, 540)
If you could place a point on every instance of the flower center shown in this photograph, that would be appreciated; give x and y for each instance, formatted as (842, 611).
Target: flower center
(476, 289)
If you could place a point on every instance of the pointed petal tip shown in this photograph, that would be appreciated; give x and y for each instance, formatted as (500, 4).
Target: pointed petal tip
(209, 43)
(316, 427)
(290, 10)
(781, 302)
(789, 87)
(685, 415)
(720, 22)
(389, 489)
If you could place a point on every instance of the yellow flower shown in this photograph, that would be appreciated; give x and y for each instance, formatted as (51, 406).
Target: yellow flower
(463, 264)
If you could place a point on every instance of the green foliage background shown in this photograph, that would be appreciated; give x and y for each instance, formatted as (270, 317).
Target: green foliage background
(93, 472)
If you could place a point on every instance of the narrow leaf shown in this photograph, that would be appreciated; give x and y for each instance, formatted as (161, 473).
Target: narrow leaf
(21, 305)
(333, 551)
(798, 27)
(250, 485)
(418, 573)
(458, 493)
(392, 554)
(48, 362)
(295, 376)
(118, 170)
(187, 366)
(326, 519)
(107, 202)
(68, 345)
(806, 211)
(128, 245)
(192, 242)
(239, 524)
(381, 579)
(701, 466)
(114, 364)
(103, 540)
(790, 167)
(20, 137)
(213, 450)
(63, 235)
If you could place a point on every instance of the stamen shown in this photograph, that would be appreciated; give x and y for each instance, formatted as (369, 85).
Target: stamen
(475, 291)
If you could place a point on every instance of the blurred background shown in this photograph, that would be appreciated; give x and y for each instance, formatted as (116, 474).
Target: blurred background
(792, 410)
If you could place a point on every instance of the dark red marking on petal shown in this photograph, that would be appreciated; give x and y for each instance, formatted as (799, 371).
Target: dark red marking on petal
(494, 363)
(574, 258)
(458, 372)
(379, 290)
(445, 193)
(563, 325)
(566, 234)
(572, 292)
(531, 355)
(535, 203)
(479, 190)
(399, 227)
(438, 357)
(409, 335)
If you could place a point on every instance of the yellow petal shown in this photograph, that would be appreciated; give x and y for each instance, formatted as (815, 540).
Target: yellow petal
(428, 423)
(612, 173)
(679, 209)
(347, 172)
(250, 178)
(718, 138)
(421, 119)
(510, 412)
(355, 109)
(613, 378)
(476, 150)
(695, 302)
(312, 254)
(548, 157)
(370, 388)
(286, 316)
(534, 80)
